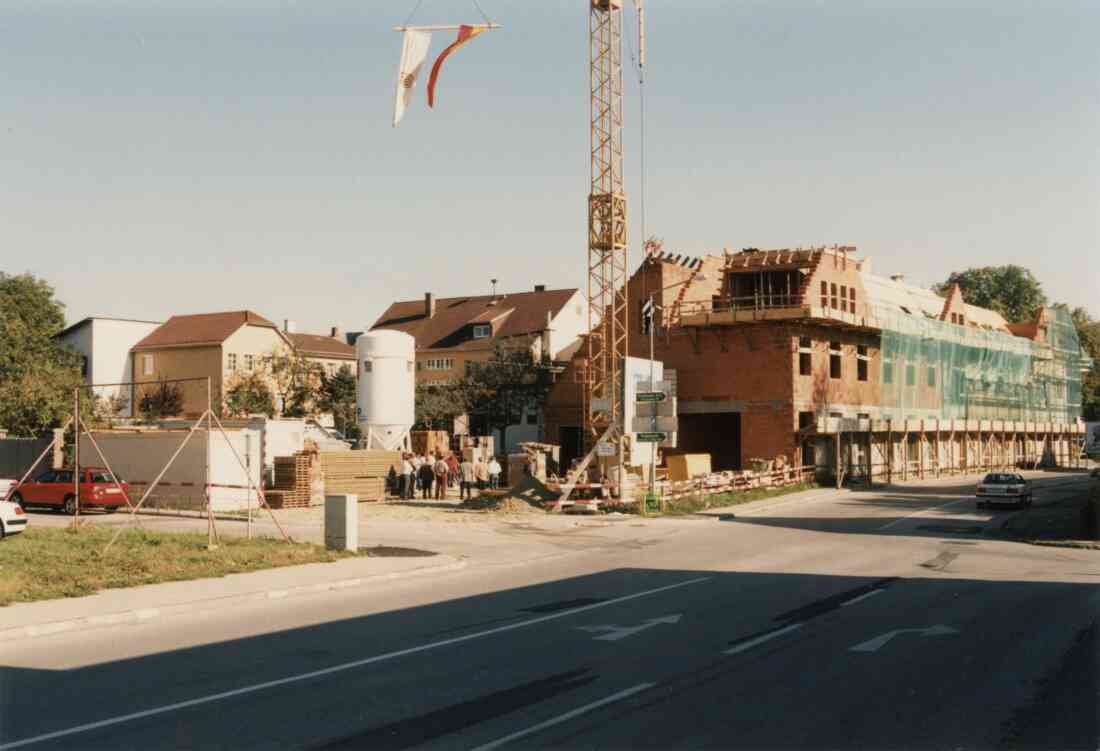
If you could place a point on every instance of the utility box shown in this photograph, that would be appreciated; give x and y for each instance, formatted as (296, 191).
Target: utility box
(342, 522)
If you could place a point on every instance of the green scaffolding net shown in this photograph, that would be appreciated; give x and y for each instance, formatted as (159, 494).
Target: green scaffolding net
(934, 369)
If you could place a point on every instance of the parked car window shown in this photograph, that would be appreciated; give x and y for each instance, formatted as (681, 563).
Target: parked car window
(104, 477)
(46, 476)
(64, 475)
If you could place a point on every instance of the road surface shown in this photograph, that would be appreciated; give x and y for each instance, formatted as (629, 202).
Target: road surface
(874, 620)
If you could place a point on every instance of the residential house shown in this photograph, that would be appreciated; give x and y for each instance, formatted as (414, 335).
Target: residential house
(454, 332)
(218, 346)
(327, 353)
(104, 347)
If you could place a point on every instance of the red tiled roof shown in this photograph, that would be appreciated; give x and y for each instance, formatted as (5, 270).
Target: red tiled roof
(317, 345)
(203, 328)
(523, 313)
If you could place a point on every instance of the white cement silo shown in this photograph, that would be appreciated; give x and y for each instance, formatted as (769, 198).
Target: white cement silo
(387, 388)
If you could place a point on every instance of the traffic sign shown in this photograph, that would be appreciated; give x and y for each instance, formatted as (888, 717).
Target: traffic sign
(651, 396)
(652, 437)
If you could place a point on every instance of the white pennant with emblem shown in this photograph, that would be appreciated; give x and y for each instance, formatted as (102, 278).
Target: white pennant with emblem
(413, 51)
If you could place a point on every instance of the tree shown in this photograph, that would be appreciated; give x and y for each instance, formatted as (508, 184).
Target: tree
(296, 381)
(162, 400)
(437, 406)
(1088, 332)
(249, 394)
(338, 396)
(37, 374)
(506, 386)
(1010, 290)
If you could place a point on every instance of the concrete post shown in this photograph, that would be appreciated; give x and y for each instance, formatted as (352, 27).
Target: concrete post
(342, 522)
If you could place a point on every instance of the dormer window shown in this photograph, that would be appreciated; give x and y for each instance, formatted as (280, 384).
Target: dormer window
(483, 331)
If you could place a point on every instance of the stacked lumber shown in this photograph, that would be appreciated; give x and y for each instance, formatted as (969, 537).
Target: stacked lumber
(292, 481)
(360, 472)
(430, 442)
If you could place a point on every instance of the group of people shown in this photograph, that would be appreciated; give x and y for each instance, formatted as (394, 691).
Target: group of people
(435, 473)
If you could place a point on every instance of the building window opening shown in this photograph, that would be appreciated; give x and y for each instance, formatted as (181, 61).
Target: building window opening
(931, 376)
(863, 362)
(824, 294)
(844, 297)
(483, 331)
(910, 375)
(231, 362)
(147, 364)
(805, 356)
(834, 360)
(887, 371)
(832, 294)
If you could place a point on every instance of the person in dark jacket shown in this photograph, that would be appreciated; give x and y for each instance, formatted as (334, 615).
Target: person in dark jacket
(427, 477)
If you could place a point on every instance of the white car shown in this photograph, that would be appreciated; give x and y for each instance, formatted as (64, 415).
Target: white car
(12, 519)
(1004, 487)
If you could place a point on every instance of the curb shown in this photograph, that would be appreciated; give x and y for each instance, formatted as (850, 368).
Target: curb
(142, 615)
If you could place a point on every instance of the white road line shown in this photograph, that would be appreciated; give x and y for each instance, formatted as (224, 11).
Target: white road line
(862, 597)
(761, 639)
(334, 669)
(925, 511)
(566, 717)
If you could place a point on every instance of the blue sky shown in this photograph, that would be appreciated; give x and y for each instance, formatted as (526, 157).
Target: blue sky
(171, 156)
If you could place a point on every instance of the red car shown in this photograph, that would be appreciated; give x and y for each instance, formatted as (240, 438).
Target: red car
(54, 488)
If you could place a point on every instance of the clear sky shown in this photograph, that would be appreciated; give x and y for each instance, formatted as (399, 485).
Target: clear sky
(174, 156)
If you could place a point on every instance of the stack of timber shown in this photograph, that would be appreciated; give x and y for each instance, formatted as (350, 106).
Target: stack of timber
(360, 472)
(292, 481)
(430, 442)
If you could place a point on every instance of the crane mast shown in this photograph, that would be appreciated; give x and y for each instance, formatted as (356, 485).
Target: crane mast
(607, 228)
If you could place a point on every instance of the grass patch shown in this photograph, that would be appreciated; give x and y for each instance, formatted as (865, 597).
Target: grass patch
(44, 564)
(692, 504)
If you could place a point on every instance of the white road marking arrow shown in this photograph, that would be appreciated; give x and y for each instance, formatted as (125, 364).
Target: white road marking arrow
(614, 633)
(874, 645)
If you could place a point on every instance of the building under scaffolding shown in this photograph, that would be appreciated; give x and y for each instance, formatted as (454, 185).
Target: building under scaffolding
(805, 357)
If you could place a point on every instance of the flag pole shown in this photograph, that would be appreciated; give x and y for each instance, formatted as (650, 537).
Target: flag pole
(450, 27)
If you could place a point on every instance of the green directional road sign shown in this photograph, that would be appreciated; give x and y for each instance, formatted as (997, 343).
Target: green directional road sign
(654, 437)
(651, 396)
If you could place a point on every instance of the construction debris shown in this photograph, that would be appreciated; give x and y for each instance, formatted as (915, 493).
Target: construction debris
(526, 496)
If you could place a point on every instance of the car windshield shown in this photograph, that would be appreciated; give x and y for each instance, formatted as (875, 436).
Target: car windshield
(1001, 479)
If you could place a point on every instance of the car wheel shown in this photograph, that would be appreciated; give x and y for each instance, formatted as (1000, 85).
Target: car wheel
(69, 507)
(3, 532)
(111, 509)
(18, 498)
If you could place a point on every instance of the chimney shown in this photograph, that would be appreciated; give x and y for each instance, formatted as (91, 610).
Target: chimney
(429, 305)
(897, 277)
(336, 333)
(289, 326)
(540, 288)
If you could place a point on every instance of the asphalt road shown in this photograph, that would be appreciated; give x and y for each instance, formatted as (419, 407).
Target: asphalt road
(886, 619)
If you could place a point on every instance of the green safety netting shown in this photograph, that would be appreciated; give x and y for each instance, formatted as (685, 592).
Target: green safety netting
(935, 369)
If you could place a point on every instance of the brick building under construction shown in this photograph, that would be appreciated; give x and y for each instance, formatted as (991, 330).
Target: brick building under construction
(805, 357)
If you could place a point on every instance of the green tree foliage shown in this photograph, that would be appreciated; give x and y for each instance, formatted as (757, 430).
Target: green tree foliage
(162, 400)
(1012, 291)
(297, 381)
(338, 396)
(37, 375)
(501, 389)
(249, 394)
(438, 406)
(1088, 332)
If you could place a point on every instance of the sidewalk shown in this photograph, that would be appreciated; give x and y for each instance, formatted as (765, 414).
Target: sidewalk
(115, 607)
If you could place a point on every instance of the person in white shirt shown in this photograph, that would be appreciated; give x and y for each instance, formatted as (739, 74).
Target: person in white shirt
(408, 472)
(494, 473)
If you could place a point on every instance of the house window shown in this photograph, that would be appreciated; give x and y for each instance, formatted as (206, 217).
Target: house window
(439, 363)
(844, 297)
(84, 365)
(368, 366)
(931, 375)
(824, 294)
(834, 360)
(863, 362)
(805, 356)
(249, 363)
(851, 299)
(832, 291)
(147, 365)
(910, 375)
(483, 331)
(231, 362)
